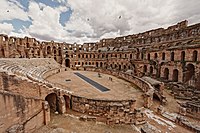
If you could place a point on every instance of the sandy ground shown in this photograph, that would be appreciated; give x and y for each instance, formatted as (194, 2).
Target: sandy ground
(119, 89)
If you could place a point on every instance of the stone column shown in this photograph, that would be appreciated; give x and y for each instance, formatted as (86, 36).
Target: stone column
(46, 110)
(61, 105)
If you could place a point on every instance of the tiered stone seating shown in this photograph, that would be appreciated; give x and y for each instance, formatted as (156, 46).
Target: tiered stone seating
(30, 68)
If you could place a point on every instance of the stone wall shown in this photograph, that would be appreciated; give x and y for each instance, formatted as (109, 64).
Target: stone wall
(17, 111)
(107, 111)
(21, 104)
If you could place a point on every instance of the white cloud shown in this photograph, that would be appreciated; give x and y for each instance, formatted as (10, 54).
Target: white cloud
(122, 17)
(12, 10)
(45, 22)
(6, 28)
(92, 20)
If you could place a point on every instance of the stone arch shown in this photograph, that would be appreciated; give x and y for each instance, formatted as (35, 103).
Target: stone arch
(131, 56)
(166, 74)
(27, 45)
(190, 72)
(151, 70)
(172, 56)
(163, 56)
(115, 66)
(195, 55)
(124, 67)
(175, 75)
(67, 63)
(120, 67)
(52, 100)
(97, 64)
(59, 51)
(101, 64)
(54, 50)
(48, 50)
(148, 56)
(155, 55)
(183, 56)
(145, 69)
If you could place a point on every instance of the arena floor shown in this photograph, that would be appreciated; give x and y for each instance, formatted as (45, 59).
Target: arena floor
(118, 89)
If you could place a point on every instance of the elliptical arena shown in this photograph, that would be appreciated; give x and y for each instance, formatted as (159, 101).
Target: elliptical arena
(149, 80)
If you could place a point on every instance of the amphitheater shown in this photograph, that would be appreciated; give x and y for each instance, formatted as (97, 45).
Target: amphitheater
(150, 81)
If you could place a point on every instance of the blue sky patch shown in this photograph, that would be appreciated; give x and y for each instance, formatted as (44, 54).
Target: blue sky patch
(65, 16)
(49, 3)
(18, 24)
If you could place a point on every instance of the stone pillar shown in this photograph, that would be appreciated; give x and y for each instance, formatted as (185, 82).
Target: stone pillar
(147, 100)
(46, 110)
(61, 105)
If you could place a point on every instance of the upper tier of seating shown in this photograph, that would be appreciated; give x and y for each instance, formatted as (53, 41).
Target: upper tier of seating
(31, 68)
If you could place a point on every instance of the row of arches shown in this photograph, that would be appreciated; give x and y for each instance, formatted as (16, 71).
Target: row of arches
(187, 74)
(105, 55)
(172, 56)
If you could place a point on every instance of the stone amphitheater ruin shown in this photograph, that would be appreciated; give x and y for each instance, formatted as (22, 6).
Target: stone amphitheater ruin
(152, 78)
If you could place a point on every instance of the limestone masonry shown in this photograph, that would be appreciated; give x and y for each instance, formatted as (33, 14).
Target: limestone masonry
(154, 61)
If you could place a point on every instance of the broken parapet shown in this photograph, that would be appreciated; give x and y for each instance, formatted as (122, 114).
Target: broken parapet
(148, 128)
(187, 124)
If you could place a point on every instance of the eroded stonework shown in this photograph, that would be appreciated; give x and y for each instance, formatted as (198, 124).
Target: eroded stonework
(154, 61)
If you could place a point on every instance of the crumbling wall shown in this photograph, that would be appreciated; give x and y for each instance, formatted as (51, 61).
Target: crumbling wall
(21, 104)
(108, 111)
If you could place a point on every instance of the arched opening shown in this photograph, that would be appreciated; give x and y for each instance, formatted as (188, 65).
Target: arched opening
(54, 50)
(97, 64)
(101, 64)
(27, 45)
(148, 56)
(156, 98)
(163, 56)
(48, 50)
(124, 67)
(130, 56)
(67, 102)
(166, 74)
(59, 51)
(52, 101)
(175, 75)
(195, 54)
(190, 72)
(172, 56)
(142, 55)
(155, 56)
(151, 70)
(145, 69)
(67, 63)
(120, 67)
(183, 56)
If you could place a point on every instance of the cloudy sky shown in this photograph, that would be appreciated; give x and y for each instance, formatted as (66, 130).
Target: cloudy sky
(90, 20)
